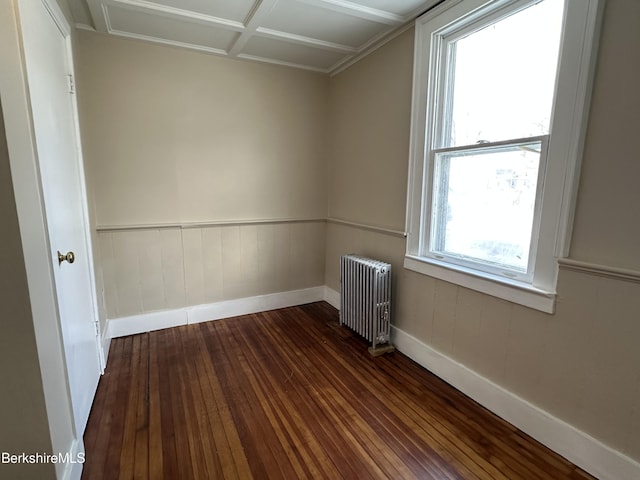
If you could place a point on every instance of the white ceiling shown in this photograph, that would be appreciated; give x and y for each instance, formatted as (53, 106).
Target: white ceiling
(319, 35)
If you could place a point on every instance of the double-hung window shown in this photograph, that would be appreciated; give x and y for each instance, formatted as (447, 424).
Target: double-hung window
(500, 98)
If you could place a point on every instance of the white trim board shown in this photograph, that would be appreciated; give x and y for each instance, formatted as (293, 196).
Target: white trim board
(332, 297)
(615, 273)
(146, 322)
(105, 345)
(364, 226)
(73, 469)
(564, 439)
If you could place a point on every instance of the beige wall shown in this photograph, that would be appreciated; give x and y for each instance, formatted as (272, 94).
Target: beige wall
(23, 415)
(369, 137)
(172, 136)
(606, 228)
(580, 364)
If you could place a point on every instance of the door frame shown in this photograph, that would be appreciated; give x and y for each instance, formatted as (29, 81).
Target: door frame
(32, 222)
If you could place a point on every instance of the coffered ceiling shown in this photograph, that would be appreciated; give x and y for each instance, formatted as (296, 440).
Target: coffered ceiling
(319, 35)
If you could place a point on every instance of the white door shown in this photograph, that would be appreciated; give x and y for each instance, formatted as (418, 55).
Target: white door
(48, 61)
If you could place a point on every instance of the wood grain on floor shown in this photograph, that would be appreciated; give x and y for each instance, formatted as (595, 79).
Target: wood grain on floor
(290, 394)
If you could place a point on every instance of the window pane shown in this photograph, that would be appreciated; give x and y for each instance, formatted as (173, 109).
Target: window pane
(484, 203)
(503, 77)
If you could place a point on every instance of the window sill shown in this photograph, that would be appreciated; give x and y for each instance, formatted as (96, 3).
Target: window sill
(504, 288)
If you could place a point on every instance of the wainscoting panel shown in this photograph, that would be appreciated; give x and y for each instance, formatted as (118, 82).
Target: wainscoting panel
(203, 265)
(147, 269)
(142, 270)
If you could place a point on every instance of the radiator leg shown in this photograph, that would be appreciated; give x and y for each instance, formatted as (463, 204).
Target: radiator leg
(381, 349)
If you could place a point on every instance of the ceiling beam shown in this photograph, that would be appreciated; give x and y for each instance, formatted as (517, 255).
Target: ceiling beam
(166, 11)
(260, 10)
(302, 40)
(357, 10)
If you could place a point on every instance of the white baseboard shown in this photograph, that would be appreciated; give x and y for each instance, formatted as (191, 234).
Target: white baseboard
(332, 297)
(261, 303)
(573, 444)
(147, 322)
(106, 345)
(73, 469)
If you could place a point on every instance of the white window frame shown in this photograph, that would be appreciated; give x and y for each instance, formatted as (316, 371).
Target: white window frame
(432, 210)
(559, 174)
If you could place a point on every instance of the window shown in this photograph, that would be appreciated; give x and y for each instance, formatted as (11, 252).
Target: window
(499, 114)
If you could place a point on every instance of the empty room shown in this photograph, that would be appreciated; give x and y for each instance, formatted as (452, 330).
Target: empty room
(320, 239)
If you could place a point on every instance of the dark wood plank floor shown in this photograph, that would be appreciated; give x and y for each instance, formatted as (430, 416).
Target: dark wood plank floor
(290, 394)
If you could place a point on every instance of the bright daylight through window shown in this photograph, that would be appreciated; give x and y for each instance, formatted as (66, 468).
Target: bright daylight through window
(495, 145)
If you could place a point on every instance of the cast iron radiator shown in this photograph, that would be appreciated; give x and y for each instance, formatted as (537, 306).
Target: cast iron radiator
(365, 299)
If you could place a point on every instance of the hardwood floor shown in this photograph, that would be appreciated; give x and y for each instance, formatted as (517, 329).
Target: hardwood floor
(290, 394)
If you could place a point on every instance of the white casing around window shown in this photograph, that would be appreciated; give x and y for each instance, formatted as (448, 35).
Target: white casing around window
(578, 48)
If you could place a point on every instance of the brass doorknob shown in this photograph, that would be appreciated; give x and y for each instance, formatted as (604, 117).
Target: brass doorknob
(69, 257)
